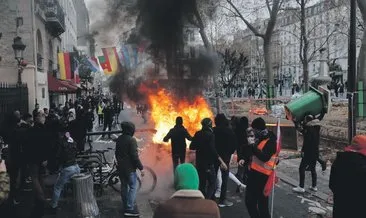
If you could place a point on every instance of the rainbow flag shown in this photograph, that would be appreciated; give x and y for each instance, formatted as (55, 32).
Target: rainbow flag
(109, 61)
(65, 66)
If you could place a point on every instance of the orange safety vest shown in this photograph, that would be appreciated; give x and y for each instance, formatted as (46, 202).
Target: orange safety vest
(264, 167)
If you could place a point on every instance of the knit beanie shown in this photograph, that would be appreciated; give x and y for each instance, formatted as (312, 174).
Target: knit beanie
(186, 177)
(259, 124)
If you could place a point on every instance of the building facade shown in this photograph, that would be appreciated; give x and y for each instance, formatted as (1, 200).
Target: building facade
(69, 38)
(40, 24)
(84, 37)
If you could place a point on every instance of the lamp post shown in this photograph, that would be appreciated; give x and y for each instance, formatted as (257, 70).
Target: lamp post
(19, 47)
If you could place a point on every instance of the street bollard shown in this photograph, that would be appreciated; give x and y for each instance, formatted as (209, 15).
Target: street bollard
(86, 205)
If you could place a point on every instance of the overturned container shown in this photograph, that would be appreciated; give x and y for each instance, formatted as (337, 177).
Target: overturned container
(315, 102)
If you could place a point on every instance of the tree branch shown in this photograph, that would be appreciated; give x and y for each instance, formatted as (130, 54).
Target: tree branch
(268, 7)
(250, 26)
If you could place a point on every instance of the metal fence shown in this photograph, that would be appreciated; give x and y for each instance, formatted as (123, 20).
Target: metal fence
(13, 97)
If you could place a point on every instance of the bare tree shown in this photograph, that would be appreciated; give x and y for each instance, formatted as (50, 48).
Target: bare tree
(273, 7)
(307, 52)
(232, 65)
(361, 75)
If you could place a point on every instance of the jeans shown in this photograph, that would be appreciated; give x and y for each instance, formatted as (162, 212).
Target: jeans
(128, 189)
(257, 204)
(63, 178)
(207, 178)
(178, 159)
(307, 164)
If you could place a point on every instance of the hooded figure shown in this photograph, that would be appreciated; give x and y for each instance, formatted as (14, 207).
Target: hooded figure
(348, 179)
(310, 152)
(128, 162)
(178, 135)
(188, 201)
(203, 143)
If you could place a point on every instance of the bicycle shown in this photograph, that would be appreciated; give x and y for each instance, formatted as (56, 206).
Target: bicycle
(106, 174)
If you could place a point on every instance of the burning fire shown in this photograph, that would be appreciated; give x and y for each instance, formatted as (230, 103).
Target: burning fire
(165, 108)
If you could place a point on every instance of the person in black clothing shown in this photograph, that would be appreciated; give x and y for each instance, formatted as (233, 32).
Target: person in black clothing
(89, 121)
(348, 178)
(66, 157)
(255, 200)
(108, 118)
(53, 128)
(203, 143)
(226, 144)
(310, 153)
(78, 129)
(17, 156)
(128, 162)
(35, 111)
(243, 150)
(178, 135)
(37, 151)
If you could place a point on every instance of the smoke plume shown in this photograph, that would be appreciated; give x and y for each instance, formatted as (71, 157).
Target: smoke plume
(163, 23)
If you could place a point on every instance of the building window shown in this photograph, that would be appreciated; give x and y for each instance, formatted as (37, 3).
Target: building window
(43, 93)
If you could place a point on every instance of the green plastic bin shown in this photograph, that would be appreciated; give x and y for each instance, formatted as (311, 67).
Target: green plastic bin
(311, 103)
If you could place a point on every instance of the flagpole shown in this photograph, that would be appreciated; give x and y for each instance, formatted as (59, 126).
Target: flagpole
(274, 170)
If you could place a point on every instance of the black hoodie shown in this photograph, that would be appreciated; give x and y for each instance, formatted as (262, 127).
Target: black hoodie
(347, 182)
(178, 135)
(126, 150)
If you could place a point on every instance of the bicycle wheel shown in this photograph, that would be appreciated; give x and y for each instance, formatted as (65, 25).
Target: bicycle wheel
(148, 181)
(115, 182)
(93, 167)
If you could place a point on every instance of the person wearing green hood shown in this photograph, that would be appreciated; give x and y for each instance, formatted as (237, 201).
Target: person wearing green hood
(188, 201)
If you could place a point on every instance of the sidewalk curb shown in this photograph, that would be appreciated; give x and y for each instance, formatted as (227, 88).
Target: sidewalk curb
(290, 181)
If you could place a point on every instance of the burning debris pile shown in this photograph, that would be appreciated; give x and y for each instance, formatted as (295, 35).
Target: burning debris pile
(178, 93)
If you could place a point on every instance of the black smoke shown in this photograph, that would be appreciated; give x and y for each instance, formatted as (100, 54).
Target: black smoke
(162, 23)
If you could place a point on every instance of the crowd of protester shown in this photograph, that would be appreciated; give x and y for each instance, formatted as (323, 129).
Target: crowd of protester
(46, 142)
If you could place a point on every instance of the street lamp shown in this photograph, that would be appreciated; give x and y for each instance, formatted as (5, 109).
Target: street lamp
(19, 47)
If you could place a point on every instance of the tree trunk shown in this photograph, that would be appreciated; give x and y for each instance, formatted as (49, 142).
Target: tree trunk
(361, 71)
(305, 43)
(268, 61)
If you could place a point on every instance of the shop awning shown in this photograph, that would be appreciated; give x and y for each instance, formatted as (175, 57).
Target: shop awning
(60, 86)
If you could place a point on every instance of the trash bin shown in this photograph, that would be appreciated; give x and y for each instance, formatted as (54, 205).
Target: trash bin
(311, 103)
(86, 205)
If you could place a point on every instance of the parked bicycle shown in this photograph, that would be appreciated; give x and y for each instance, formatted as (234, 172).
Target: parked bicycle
(105, 173)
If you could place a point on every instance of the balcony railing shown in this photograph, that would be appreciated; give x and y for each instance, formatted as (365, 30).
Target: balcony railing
(55, 17)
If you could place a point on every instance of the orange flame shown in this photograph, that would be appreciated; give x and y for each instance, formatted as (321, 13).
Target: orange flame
(165, 108)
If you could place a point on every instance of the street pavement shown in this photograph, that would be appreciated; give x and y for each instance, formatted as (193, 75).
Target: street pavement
(286, 203)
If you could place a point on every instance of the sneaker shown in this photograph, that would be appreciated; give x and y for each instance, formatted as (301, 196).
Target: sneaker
(15, 201)
(132, 213)
(217, 194)
(299, 190)
(315, 189)
(225, 203)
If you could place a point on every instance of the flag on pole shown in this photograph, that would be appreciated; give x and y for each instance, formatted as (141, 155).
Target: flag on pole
(65, 66)
(92, 64)
(272, 178)
(109, 61)
(77, 77)
(74, 63)
(126, 56)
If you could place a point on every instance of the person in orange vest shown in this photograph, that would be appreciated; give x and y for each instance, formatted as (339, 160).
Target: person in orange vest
(264, 159)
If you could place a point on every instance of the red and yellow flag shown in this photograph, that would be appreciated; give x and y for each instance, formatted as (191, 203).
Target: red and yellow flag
(65, 66)
(109, 62)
